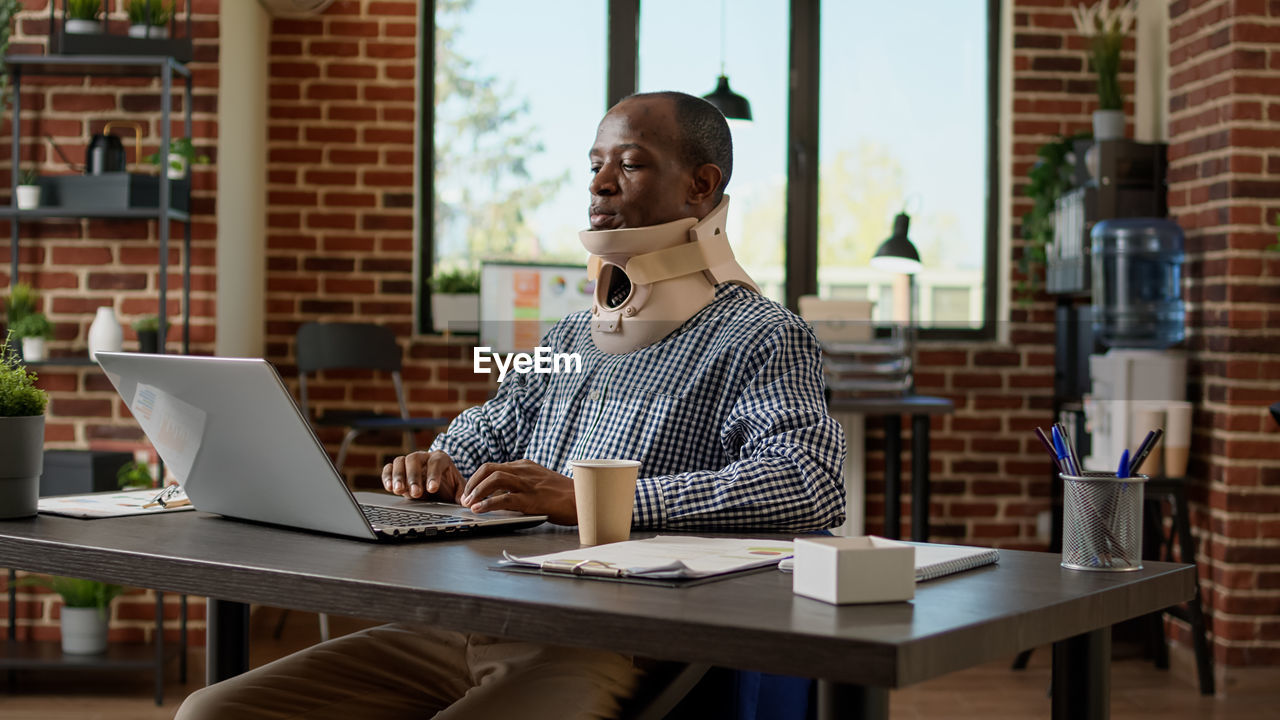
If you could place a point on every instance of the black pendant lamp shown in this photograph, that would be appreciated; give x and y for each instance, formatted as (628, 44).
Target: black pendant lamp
(898, 254)
(732, 105)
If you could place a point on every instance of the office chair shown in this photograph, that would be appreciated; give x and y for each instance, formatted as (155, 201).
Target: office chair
(355, 346)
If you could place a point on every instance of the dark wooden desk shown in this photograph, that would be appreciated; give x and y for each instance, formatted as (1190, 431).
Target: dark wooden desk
(752, 622)
(920, 408)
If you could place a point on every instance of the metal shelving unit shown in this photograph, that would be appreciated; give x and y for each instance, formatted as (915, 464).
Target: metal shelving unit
(146, 66)
(15, 655)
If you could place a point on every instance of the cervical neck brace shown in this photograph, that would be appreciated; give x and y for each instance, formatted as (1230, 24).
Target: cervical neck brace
(672, 268)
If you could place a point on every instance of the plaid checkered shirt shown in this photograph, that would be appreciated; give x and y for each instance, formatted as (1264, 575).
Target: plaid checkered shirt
(726, 415)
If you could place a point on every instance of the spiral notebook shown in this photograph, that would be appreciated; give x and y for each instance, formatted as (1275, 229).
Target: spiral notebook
(934, 561)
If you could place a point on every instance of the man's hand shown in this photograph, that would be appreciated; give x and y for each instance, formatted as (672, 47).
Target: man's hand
(522, 485)
(424, 474)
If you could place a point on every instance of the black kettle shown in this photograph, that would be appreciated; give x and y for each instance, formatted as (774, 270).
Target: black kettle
(106, 152)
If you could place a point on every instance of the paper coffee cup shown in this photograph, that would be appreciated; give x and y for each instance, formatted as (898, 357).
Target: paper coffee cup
(1177, 438)
(1146, 419)
(605, 492)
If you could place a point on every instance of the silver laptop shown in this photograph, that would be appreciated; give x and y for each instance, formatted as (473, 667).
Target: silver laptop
(232, 434)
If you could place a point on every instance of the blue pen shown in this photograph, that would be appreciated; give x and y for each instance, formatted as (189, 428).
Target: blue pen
(1123, 470)
(1060, 447)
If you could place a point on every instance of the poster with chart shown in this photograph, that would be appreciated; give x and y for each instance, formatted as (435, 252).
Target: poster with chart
(519, 302)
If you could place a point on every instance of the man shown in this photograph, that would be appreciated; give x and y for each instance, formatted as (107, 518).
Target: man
(715, 389)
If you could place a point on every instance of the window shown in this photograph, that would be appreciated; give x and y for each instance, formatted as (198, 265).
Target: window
(904, 115)
(756, 63)
(518, 92)
(903, 124)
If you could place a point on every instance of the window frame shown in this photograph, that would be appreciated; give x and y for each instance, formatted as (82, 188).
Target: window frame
(801, 241)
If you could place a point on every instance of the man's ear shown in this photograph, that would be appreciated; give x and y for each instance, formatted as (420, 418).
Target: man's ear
(706, 180)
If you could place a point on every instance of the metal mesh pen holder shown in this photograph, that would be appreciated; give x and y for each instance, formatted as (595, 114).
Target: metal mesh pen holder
(1102, 522)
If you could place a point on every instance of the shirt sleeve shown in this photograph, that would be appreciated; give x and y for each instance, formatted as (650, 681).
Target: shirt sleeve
(498, 430)
(790, 452)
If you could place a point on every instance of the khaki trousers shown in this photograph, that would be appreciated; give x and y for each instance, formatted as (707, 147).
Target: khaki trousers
(415, 671)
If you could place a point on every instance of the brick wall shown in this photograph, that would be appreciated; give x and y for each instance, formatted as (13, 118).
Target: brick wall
(1224, 189)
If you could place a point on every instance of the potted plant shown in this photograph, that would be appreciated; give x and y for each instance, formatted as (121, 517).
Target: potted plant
(83, 17)
(1106, 28)
(33, 330)
(182, 154)
(455, 301)
(20, 303)
(148, 18)
(22, 407)
(28, 191)
(85, 611)
(148, 329)
(135, 475)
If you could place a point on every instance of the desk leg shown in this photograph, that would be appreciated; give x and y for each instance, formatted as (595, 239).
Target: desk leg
(1082, 677)
(838, 701)
(893, 476)
(920, 478)
(226, 640)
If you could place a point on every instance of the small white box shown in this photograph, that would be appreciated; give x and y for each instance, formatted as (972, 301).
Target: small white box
(842, 570)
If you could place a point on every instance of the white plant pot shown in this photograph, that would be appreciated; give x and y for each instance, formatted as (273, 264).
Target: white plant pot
(84, 27)
(140, 31)
(33, 349)
(1108, 124)
(84, 631)
(105, 334)
(28, 197)
(177, 167)
(455, 313)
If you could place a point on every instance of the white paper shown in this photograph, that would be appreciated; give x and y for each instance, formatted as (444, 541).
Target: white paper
(664, 557)
(107, 504)
(175, 427)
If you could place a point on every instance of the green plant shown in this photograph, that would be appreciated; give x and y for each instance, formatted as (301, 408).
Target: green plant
(456, 282)
(32, 326)
(77, 593)
(20, 303)
(1049, 177)
(148, 323)
(134, 474)
(180, 147)
(149, 12)
(84, 9)
(29, 177)
(1106, 28)
(19, 396)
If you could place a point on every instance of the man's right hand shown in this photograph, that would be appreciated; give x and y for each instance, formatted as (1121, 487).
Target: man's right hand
(422, 474)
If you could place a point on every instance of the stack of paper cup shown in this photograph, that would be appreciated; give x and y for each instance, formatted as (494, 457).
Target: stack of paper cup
(1177, 438)
(1147, 417)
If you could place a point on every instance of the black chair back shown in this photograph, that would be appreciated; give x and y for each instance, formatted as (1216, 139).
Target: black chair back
(331, 346)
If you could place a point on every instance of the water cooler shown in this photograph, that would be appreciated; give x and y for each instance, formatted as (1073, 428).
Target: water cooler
(1138, 314)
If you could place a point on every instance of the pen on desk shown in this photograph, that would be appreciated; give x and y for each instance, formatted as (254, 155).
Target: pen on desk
(1148, 445)
(1053, 454)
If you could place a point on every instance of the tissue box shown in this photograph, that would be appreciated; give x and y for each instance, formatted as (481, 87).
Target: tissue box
(842, 570)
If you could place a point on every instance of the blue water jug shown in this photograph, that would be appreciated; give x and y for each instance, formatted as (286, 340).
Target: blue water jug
(1137, 283)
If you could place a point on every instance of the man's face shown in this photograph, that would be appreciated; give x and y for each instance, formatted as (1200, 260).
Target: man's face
(638, 178)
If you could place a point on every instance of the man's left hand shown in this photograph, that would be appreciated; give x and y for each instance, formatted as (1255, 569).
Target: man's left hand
(524, 486)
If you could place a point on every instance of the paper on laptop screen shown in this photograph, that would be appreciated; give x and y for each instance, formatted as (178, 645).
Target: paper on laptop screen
(175, 427)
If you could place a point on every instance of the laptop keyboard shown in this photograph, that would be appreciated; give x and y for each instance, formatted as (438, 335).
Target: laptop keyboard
(391, 517)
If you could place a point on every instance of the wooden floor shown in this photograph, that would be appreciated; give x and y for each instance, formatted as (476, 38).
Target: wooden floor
(989, 692)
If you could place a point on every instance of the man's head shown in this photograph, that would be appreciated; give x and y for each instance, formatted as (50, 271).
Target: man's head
(658, 157)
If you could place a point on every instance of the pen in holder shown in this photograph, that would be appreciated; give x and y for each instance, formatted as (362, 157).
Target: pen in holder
(1102, 521)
